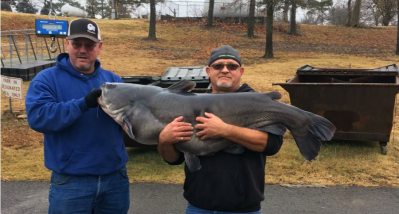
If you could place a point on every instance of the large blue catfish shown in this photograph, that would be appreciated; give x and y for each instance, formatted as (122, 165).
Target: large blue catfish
(144, 110)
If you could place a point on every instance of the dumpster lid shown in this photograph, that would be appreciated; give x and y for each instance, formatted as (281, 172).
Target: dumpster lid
(195, 73)
(389, 70)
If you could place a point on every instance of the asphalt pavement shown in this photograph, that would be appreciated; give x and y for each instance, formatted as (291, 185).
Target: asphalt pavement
(151, 198)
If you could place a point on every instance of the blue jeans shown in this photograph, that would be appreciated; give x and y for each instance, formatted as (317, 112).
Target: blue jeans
(89, 194)
(195, 210)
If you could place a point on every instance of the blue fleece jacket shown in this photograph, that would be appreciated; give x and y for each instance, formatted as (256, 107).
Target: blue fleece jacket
(77, 140)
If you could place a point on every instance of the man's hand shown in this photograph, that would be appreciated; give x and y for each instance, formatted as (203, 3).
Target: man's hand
(91, 98)
(211, 126)
(176, 131)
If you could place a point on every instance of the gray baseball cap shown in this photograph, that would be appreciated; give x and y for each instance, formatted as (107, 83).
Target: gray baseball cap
(224, 52)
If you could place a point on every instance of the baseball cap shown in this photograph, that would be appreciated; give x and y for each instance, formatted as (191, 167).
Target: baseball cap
(84, 28)
(224, 52)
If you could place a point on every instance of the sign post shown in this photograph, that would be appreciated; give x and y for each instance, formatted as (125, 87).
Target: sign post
(12, 88)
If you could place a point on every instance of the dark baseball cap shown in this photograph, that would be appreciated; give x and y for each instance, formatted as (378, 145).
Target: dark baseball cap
(224, 52)
(84, 28)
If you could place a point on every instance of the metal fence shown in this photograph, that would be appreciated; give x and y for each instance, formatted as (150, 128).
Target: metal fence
(23, 46)
(198, 8)
(23, 54)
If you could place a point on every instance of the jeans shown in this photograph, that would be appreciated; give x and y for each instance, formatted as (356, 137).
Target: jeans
(89, 194)
(195, 210)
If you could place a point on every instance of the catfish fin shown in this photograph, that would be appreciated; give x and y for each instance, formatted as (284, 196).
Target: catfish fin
(274, 95)
(319, 130)
(192, 162)
(127, 127)
(277, 129)
(182, 86)
(309, 145)
(322, 127)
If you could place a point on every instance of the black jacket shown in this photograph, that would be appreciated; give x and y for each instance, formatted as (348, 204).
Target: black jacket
(230, 182)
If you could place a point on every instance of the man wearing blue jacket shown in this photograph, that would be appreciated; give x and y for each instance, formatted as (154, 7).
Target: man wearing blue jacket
(83, 146)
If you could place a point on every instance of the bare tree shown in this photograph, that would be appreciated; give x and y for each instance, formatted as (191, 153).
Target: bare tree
(355, 17)
(293, 29)
(25, 6)
(370, 12)
(319, 9)
(92, 8)
(210, 13)
(46, 7)
(337, 15)
(251, 19)
(386, 9)
(286, 7)
(152, 32)
(6, 6)
(348, 23)
(269, 29)
(397, 32)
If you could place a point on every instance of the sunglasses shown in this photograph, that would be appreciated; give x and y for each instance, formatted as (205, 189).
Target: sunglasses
(78, 44)
(229, 66)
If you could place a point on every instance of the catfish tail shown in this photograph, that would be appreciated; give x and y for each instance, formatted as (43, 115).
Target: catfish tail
(320, 129)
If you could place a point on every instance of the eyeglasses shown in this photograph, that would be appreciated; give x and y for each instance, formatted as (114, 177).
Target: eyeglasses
(229, 66)
(77, 44)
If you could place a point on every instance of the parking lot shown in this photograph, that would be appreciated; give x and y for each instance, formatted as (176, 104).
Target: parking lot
(150, 198)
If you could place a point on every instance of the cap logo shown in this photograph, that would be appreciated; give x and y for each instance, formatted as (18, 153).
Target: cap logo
(227, 55)
(91, 28)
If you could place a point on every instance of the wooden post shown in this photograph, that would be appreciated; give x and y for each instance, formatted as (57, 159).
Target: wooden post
(10, 102)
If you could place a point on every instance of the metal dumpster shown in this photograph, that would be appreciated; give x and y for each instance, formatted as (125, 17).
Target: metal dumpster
(169, 77)
(359, 102)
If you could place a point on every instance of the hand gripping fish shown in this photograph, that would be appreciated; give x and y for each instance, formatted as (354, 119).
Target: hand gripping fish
(144, 110)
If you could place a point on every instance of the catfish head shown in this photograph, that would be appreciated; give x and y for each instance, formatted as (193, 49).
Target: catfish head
(117, 98)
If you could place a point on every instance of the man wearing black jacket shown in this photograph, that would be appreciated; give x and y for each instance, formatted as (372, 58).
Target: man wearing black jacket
(227, 183)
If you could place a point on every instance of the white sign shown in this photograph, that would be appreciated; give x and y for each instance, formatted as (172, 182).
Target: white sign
(11, 87)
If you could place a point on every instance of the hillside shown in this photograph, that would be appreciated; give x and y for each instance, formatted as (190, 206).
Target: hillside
(185, 43)
(127, 52)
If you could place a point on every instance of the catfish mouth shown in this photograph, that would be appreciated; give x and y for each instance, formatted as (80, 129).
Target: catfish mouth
(103, 104)
(101, 100)
(114, 110)
(107, 108)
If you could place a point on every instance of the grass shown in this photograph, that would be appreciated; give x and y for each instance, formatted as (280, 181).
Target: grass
(339, 163)
(127, 52)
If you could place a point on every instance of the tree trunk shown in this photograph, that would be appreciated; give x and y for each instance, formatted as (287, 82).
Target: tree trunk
(292, 29)
(152, 32)
(116, 7)
(349, 9)
(269, 30)
(286, 7)
(376, 17)
(251, 19)
(210, 13)
(397, 32)
(356, 14)
(102, 9)
(385, 21)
